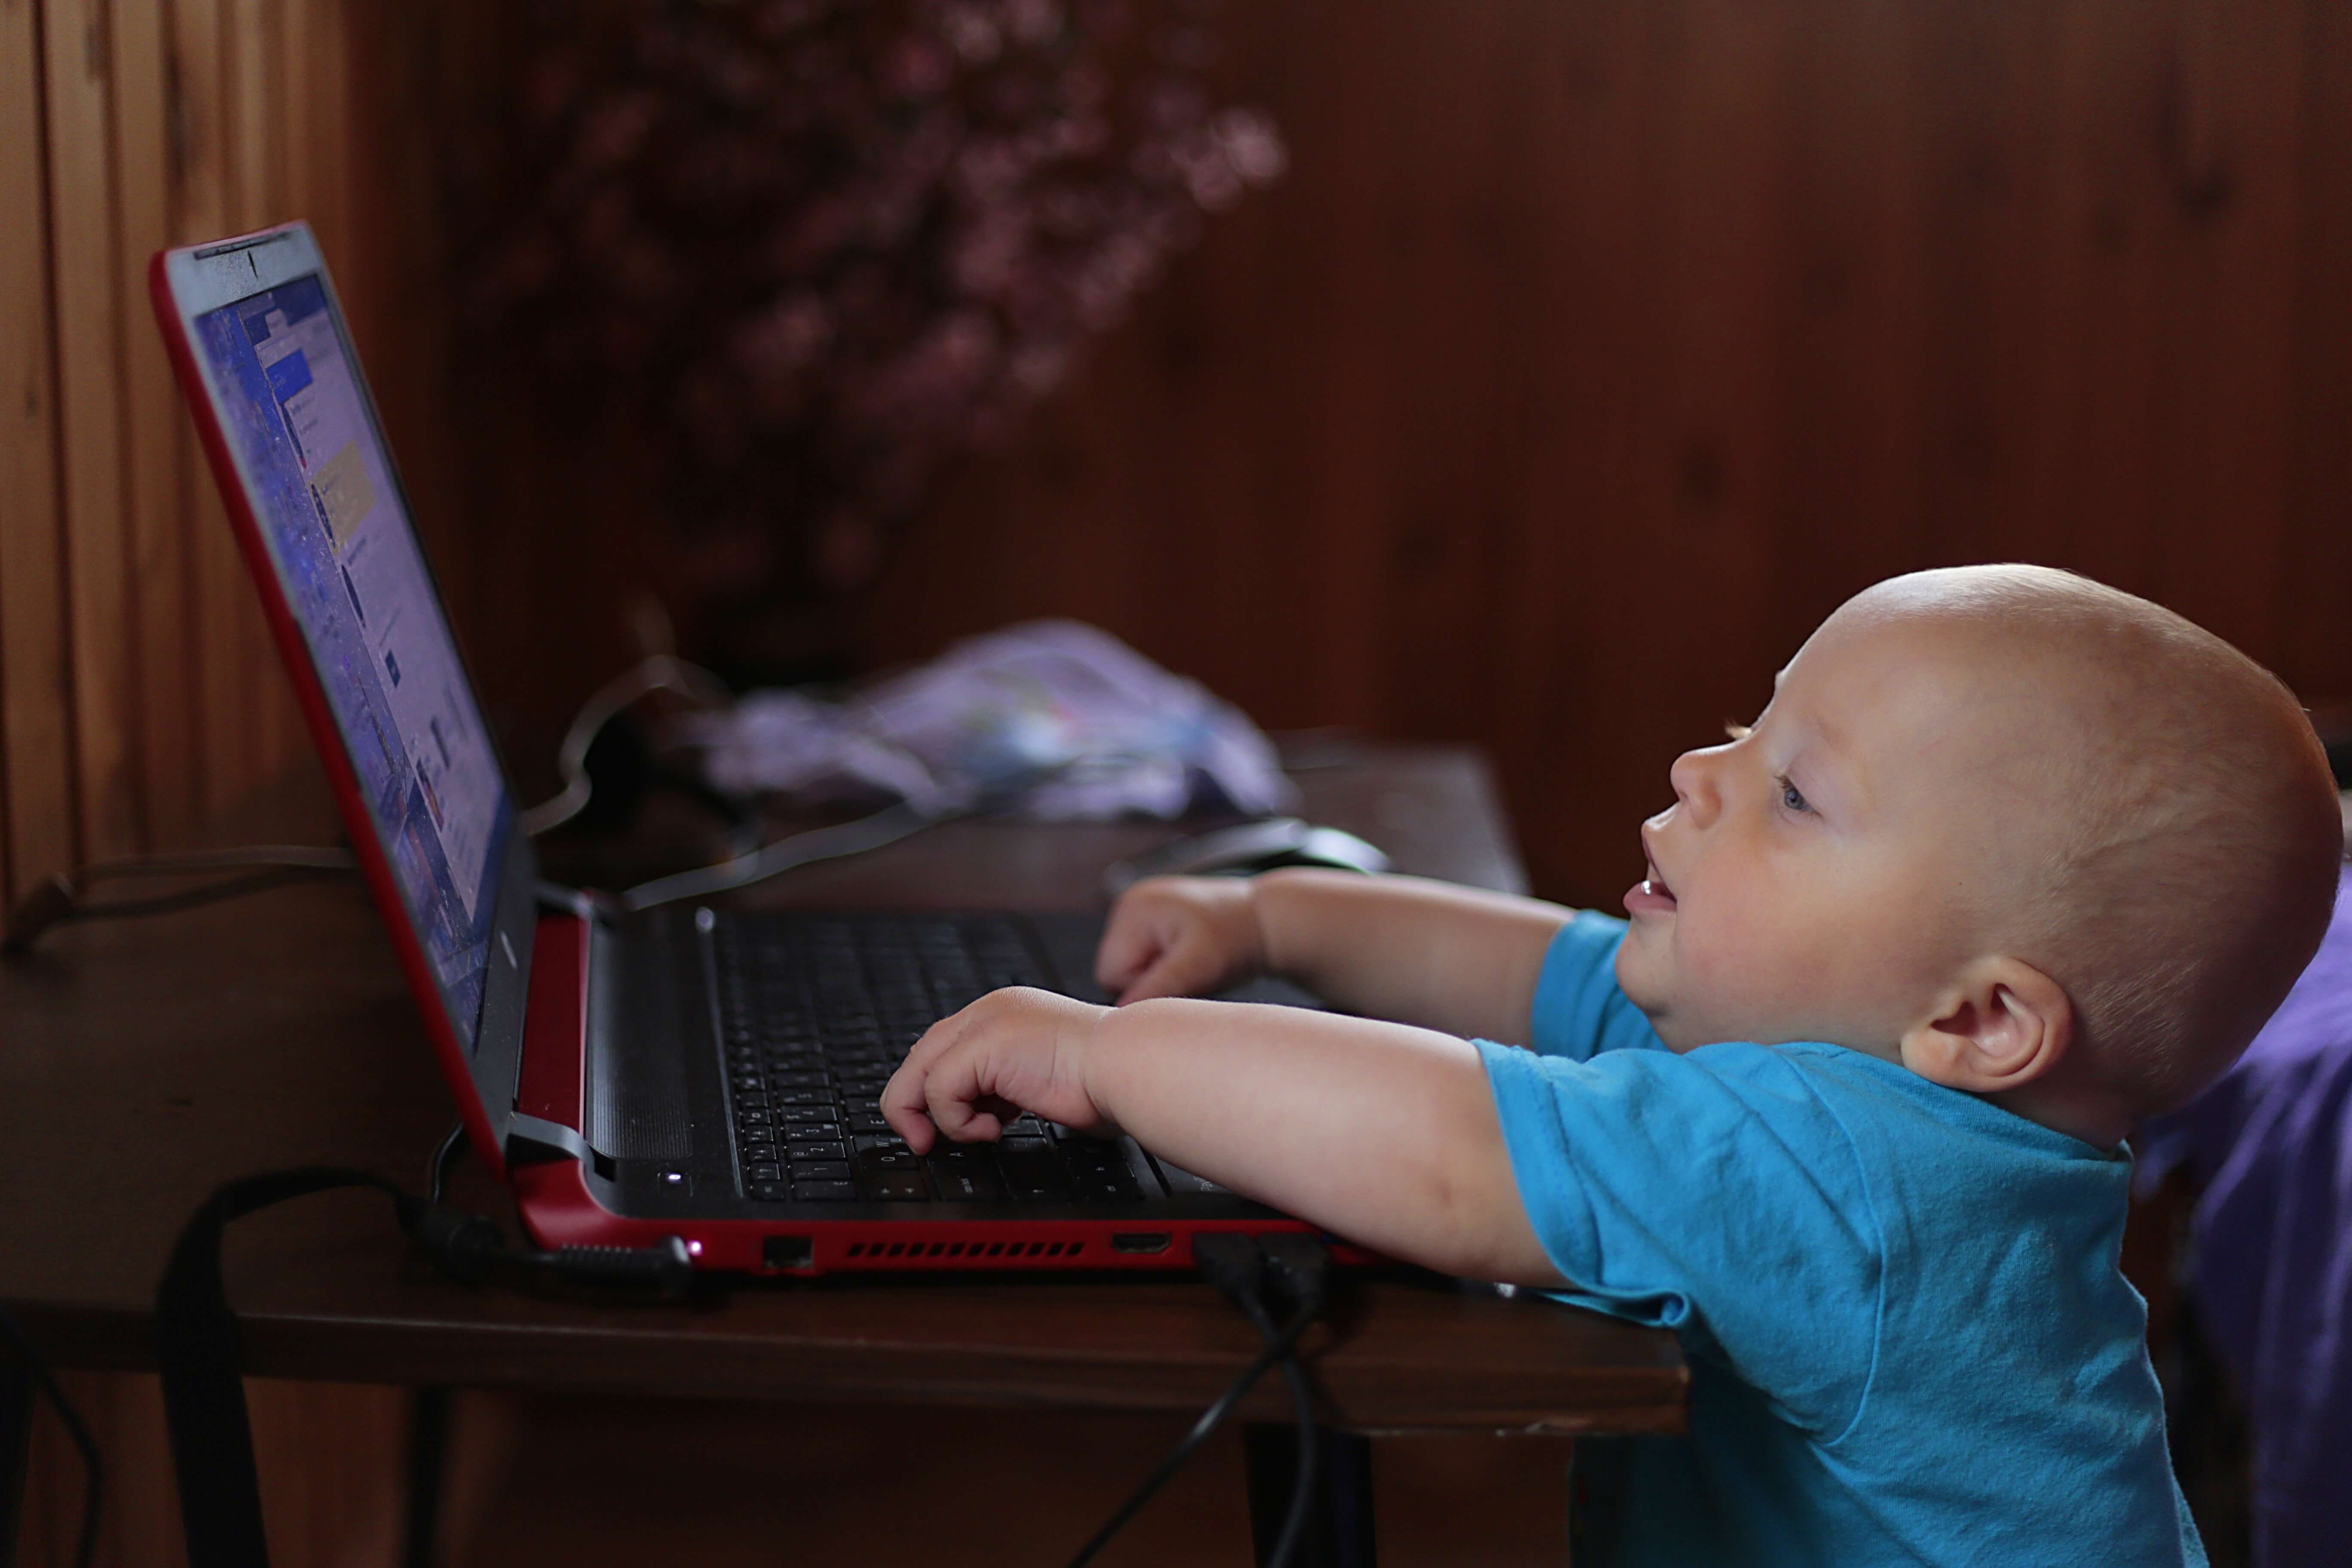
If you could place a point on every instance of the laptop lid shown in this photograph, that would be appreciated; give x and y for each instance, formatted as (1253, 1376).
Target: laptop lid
(266, 365)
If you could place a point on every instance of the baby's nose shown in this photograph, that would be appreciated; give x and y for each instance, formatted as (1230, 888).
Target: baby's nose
(1692, 777)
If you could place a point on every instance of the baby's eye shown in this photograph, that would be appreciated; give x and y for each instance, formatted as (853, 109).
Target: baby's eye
(1792, 797)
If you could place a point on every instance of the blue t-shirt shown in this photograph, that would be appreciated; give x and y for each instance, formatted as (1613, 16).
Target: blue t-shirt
(1908, 1337)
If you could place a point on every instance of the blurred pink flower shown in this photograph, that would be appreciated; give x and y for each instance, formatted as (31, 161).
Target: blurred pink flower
(814, 247)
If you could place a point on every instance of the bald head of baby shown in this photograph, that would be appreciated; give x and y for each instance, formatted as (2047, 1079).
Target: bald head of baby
(2163, 837)
(2033, 838)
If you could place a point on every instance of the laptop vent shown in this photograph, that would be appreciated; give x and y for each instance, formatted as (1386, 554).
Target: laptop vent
(968, 1249)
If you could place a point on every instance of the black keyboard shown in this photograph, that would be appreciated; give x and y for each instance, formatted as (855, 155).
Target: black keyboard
(815, 1014)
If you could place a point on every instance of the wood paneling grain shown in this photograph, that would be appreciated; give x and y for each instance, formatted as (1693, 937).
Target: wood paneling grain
(83, 245)
(253, 94)
(138, 696)
(1589, 355)
(166, 738)
(36, 680)
(204, 207)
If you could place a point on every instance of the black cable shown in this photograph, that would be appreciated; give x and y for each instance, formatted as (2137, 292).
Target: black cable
(1298, 1267)
(201, 1358)
(61, 898)
(93, 1470)
(1302, 1398)
(211, 892)
(1236, 1265)
(1210, 1420)
(437, 1175)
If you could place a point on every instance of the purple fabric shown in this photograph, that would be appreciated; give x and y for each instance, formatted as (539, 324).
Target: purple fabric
(2272, 1142)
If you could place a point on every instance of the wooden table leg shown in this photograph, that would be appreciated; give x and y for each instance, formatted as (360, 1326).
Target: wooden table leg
(16, 1394)
(1339, 1529)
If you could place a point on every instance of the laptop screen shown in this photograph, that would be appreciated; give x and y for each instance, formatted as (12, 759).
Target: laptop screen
(354, 576)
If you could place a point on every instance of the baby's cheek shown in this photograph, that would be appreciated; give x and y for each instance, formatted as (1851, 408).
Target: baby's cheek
(1745, 971)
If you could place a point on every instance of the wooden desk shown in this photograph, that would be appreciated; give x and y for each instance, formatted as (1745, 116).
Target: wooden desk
(144, 1062)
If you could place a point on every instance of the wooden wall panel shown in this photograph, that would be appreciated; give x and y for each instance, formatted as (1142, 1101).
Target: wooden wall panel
(36, 692)
(1589, 355)
(83, 243)
(166, 742)
(138, 693)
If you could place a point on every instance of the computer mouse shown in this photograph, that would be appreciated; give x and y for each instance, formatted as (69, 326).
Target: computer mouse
(1246, 849)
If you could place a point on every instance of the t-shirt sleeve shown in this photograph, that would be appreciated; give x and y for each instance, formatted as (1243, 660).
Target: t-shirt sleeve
(1579, 1011)
(1714, 1193)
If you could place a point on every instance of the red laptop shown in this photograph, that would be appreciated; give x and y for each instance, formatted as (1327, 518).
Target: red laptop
(684, 1071)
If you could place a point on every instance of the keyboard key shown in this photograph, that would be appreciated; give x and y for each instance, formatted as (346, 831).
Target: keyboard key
(767, 1171)
(771, 1192)
(966, 1177)
(1101, 1189)
(824, 1191)
(816, 1016)
(1033, 1173)
(889, 1186)
(1092, 1154)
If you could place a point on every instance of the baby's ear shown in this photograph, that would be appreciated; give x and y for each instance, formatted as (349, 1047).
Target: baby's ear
(2002, 1025)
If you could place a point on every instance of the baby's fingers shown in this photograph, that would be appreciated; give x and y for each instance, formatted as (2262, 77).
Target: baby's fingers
(906, 1099)
(1133, 943)
(953, 1094)
(1178, 972)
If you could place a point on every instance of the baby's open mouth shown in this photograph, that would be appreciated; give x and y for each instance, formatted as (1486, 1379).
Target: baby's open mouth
(1650, 895)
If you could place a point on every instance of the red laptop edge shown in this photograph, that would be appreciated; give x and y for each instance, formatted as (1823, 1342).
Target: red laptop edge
(531, 995)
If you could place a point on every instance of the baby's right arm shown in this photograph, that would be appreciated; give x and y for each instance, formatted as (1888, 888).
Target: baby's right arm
(1444, 957)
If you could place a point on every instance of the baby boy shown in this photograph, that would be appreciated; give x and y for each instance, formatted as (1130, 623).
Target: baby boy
(2010, 861)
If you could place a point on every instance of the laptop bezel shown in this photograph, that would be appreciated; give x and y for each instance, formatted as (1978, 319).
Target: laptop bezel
(186, 285)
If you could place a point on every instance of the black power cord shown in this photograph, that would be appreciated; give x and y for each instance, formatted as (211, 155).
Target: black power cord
(236, 872)
(1296, 1268)
(201, 1356)
(1245, 1271)
(93, 1472)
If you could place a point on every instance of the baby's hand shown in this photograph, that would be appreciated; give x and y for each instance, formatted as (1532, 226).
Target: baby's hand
(1181, 936)
(1012, 1050)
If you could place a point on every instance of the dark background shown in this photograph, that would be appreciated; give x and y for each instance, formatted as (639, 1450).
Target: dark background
(1591, 353)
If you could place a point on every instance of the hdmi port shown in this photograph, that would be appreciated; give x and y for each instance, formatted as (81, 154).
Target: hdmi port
(1139, 1241)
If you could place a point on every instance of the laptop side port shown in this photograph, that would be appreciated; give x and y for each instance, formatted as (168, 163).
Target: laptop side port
(787, 1251)
(1139, 1241)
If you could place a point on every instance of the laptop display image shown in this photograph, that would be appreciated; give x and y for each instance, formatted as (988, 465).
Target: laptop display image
(688, 1070)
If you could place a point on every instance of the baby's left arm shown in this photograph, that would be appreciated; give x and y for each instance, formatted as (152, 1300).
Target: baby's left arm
(1381, 1132)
